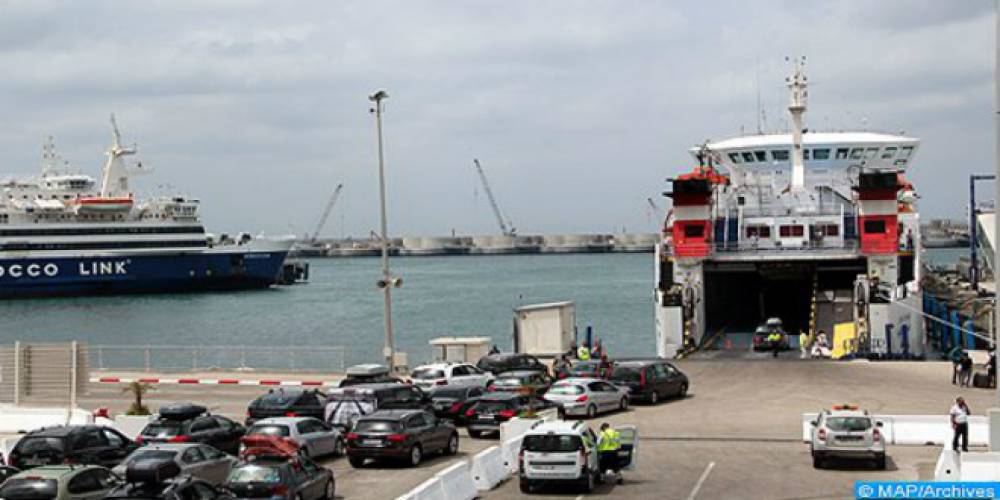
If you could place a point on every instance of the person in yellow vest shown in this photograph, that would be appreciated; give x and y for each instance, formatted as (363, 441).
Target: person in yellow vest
(774, 338)
(583, 353)
(608, 443)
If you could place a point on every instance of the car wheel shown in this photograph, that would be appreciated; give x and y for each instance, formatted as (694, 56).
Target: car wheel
(654, 397)
(357, 462)
(339, 447)
(452, 448)
(683, 392)
(330, 492)
(817, 461)
(623, 405)
(525, 486)
(591, 411)
(880, 461)
(416, 455)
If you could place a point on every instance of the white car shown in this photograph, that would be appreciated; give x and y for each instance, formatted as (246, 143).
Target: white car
(314, 437)
(435, 375)
(587, 396)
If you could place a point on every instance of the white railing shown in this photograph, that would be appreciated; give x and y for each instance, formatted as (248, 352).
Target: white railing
(150, 358)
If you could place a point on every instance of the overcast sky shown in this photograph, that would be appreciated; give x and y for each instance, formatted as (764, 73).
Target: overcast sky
(577, 110)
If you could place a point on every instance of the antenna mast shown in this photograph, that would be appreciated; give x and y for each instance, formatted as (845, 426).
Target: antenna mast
(796, 108)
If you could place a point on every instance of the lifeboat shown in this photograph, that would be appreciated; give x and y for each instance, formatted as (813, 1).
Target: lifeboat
(102, 204)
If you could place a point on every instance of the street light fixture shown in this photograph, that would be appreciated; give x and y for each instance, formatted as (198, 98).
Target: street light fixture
(387, 282)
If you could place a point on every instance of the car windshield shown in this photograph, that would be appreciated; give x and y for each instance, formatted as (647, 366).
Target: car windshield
(142, 454)
(566, 390)
(627, 373)
(848, 423)
(376, 426)
(254, 474)
(29, 489)
(269, 430)
(510, 381)
(585, 367)
(163, 429)
(30, 445)
(427, 373)
(551, 443)
(279, 398)
(492, 406)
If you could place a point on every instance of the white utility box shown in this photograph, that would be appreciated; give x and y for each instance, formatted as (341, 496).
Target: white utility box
(465, 349)
(545, 329)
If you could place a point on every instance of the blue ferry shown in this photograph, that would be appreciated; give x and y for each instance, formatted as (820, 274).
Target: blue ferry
(65, 233)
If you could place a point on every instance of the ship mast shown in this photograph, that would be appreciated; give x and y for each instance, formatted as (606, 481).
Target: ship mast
(797, 107)
(115, 173)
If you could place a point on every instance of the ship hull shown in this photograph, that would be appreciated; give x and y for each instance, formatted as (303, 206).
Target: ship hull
(168, 272)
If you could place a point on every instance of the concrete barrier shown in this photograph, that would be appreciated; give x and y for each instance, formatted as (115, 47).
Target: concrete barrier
(430, 489)
(488, 469)
(511, 450)
(130, 425)
(515, 428)
(456, 482)
(916, 429)
(16, 419)
(980, 466)
(549, 414)
(948, 467)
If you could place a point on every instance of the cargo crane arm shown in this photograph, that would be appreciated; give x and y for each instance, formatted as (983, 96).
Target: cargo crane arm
(493, 202)
(327, 211)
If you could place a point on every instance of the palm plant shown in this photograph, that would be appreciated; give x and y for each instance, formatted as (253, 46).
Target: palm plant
(138, 390)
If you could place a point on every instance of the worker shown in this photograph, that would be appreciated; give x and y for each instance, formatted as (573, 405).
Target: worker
(803, 344)
(608, 443)
(774, 338)
(583, 353)
(604, 370)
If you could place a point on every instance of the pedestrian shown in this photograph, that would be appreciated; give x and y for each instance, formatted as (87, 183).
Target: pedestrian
(560, 365)
(956, 356)
(571, 353)
(960, 423)
(991, 370)
(774, 338)
(494, 349)
(604, 370)
(803, 344)
(965, 370)
(583, 353)
(609, 441)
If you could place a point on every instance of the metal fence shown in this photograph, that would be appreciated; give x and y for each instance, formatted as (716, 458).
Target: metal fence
(149, 358)
(42, 374)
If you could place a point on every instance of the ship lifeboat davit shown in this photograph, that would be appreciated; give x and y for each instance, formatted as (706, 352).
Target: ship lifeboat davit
(102, 204)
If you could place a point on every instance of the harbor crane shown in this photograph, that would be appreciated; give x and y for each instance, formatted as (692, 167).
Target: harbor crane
(653, 209)
(326, 212)
(507, 228)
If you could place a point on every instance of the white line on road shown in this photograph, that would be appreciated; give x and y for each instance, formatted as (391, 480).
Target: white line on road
(701, 481)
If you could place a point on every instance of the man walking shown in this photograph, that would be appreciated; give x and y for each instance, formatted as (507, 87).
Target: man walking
(960, 423)
(965, 370)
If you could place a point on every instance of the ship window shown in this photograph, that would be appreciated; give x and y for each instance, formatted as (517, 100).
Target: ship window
(791, 231)
(748, 157)
(828, 229)
(762, 232)
(889, 152)
(871, 153)
(694, 231)
(874, 227)
(780, 155)
(735, 158)
(905, 152)
(761, 155)
(805, 154)
(856, 153)
(822, 154)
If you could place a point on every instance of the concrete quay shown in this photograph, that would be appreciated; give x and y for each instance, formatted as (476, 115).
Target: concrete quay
(481, 245)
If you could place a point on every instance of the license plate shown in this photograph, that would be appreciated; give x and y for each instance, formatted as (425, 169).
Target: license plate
(485, 418)
(371, 442)
(849, 438)
(545, 467)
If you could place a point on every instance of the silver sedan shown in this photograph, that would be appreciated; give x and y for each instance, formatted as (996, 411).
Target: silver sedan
(314, 437)
(587, 396)
(197, 459)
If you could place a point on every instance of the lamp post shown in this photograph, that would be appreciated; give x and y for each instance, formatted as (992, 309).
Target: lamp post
(387, 281)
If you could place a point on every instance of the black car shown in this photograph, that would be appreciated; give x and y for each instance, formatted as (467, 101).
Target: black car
(284, 402)
(505, 362)
(495, 408)
(160, 479)
(73, 444)
(521, 380)
(405, 435)
(650, 379)
(6, 472)
(191, 423)
(345, 405)
(278, 477)
(453, 402)
(368, 374)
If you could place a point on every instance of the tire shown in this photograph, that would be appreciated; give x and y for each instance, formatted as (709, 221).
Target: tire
(654, 397)
(330, 492)
(356, 462)
(683, 392)
(525, 486)
(623, 405)
(880, 461)
(591, 411)
(339, 447)
(817, 461)
(452, 446)
(587, 482)
(416, 456)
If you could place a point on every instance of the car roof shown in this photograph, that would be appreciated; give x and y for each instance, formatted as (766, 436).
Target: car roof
(848, 413)
(440, 364)
(503, 356)
(499, 396)
(389, 414)
(54, 471)
(518, 373)
(283, 420)
(577, 381)
(367, 388)
(640, 361)
(169, 446)
(60, 430)
(557, 427)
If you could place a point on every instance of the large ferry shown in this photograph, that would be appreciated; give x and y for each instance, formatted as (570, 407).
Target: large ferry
(65, 233)
(818, 229)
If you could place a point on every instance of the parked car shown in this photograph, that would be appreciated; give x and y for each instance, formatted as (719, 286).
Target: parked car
(431, 376)
(406, 435)
(564, 452)
(59, 482)
(590, 368)
(6, 472)
(272, 469)
(537, 382)
(71, 444)
(760, 336)
(494, 408)
(506, 362)
(193, 459)
(650, 379)
(313, 436)
(345, 405)
(287, 402)
(453, 402)
(368, 374)
(847, 432)
(191, 423)
(162, 479)
(587, 397)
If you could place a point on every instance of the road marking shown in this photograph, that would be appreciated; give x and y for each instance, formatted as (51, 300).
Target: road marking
(701, 481)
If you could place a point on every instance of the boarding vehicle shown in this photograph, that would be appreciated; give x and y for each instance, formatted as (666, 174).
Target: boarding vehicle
(287, 402)
(406, 435)
(313, 436)
(650, 380)
(566, 452)
(519, 381)
(272, 467)
(59, 482)
(493, 409)
(434, 375)
(760, 336)
(191, 423)
(590, 368)
(507, 362)
(453, 402)
(844, 431)
(586, 397)
(71, 444)
(163, 479)
(345, 405)
(193, 459)
(369, 373)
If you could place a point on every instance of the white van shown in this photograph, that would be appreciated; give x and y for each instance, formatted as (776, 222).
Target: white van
(566, 452)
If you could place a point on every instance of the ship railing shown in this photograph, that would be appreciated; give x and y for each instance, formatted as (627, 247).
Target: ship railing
(162, 358)
(847, 245)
